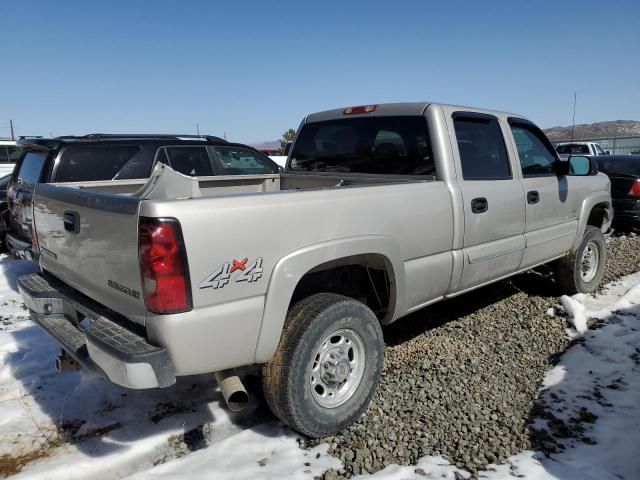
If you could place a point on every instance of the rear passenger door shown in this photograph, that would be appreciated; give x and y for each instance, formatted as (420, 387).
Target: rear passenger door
(551, 200)
(493, 200)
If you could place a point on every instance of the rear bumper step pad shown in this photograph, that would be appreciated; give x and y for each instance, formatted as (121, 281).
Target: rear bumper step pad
(105, 346)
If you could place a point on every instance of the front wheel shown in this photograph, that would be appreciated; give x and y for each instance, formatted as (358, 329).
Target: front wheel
(327, 365)
(582, 270)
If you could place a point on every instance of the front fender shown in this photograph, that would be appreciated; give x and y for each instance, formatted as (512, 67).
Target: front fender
(290, 269)
(587, 205)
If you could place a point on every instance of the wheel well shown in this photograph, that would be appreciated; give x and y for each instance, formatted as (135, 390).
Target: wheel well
(598, 215)
(367, 278)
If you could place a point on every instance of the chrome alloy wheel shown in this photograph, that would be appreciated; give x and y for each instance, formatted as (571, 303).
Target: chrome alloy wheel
(337, 368)
(589, 262)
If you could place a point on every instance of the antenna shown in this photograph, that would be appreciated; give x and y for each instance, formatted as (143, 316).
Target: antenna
(11, 125)
(573, 121)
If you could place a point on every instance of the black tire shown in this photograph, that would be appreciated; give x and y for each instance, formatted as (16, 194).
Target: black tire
(287, 376)
(569, 269)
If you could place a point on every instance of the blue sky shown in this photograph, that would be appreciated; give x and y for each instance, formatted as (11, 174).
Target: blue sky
(254, 69)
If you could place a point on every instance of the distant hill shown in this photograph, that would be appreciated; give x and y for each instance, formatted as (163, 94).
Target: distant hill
(615, 128)
(266, 145)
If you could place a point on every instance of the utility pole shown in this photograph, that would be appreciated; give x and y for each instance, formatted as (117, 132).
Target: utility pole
(573, 121)
(198, 128)
(11, 125)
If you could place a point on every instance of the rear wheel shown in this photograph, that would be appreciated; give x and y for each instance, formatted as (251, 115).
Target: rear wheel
(582, 270)
(327, 365)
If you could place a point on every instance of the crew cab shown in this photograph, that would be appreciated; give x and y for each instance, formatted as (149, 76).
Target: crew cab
(567, 149)
(381, 211)
(118, 164)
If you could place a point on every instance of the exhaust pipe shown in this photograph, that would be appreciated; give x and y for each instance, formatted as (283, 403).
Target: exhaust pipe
(65, 363)
(232, 390)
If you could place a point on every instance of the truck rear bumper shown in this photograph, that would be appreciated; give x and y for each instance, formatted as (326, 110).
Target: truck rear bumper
(97, 342)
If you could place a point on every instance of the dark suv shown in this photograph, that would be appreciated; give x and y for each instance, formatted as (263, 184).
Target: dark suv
(127, 158)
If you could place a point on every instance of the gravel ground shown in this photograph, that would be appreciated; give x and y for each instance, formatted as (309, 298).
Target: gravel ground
(461, 377)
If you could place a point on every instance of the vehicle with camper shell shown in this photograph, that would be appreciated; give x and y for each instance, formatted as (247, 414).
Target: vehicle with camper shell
(381, 211)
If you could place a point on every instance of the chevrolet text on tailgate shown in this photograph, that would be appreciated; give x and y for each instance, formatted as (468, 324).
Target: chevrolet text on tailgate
(382, 210)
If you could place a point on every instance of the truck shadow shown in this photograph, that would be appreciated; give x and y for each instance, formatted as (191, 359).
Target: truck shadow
(538, 283)
(584, 423)
(95, 416)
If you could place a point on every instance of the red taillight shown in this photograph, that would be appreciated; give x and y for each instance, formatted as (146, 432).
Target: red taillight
(635, 189)
(163, 266)
(360, 109)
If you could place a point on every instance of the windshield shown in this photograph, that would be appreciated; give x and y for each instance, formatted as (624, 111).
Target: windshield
(621, 165)
(376, 145)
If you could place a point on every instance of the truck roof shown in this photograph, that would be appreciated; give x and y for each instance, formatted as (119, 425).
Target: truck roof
(399, 109)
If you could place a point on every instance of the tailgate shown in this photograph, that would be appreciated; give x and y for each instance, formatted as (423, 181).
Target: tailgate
(89, 240)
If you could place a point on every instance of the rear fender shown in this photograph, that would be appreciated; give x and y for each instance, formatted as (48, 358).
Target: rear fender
(290, 269)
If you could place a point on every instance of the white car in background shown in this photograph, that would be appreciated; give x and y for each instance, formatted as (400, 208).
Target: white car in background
(566, 149)
(9, 155)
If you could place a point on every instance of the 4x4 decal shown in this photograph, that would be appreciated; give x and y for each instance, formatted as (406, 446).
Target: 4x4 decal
(243, 273)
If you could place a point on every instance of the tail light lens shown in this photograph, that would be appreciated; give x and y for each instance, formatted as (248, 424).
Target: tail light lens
(163, 265)
(635, 189)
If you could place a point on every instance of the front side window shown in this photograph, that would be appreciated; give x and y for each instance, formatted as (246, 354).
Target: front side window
(14, 154)
(242, 161)
(483, 154)
(4, 154)
(192, 161)
(599, 150)
(536, 157)
(86, 164)
(390, 145)
(31, 168)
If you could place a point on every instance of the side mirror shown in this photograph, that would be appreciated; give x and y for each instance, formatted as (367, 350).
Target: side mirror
(607, 152)
(280, 169)
(561, 167)
(580, 165)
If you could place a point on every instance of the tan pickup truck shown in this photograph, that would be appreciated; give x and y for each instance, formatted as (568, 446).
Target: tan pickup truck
(382, 210)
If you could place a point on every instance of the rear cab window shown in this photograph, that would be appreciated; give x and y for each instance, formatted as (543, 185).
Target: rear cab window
(387, 145)
(573, 149)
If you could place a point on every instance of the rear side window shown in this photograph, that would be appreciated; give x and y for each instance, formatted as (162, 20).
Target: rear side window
(483, 154)
(83, 164)
(573, 149)
(31, 168)
(242, 161)
(536, 156)
(192, 161)
(393, 145)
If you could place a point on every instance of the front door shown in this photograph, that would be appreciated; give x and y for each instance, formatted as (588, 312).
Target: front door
(551, 200)
(493, 201)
